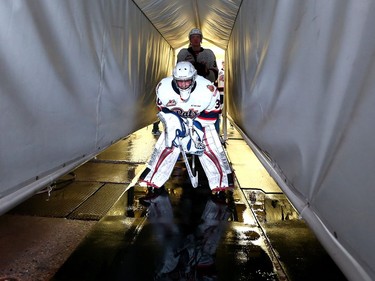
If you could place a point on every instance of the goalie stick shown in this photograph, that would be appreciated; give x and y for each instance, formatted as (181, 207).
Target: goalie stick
(193, 179)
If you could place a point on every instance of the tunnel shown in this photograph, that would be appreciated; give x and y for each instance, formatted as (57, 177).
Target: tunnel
(77, 76)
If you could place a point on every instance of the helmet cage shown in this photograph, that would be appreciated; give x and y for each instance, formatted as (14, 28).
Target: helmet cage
(184, 71)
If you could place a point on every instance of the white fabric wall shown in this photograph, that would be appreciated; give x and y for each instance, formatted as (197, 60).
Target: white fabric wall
(78, 75)
(301, 80)
(75, 77)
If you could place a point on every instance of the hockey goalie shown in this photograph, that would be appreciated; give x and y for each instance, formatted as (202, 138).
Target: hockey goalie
(188, 107)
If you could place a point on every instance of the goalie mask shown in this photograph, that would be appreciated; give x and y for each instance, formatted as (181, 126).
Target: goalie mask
(184, 75)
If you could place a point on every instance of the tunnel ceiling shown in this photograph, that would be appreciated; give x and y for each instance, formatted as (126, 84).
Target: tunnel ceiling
(174, 19)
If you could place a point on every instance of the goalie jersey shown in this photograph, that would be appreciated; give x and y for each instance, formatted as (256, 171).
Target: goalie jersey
(203, 103)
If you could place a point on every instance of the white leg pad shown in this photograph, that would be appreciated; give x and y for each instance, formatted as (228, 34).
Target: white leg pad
(160, 165)
(214, 161)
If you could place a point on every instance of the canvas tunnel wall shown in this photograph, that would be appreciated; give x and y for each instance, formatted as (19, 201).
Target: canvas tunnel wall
(77, 76)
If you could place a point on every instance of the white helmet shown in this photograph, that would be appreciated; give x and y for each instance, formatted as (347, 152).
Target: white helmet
(184, 71)
(195, 31)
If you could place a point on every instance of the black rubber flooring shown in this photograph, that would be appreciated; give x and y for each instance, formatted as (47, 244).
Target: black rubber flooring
(261, 238)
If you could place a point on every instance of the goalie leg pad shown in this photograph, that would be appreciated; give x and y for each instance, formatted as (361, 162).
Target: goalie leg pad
(160, 165)
(215, 162)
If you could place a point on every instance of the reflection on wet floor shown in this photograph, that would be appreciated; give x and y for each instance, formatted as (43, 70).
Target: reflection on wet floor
(271, 208)
(197, 231)
(296, 247)
(188, 236)
(184, 233)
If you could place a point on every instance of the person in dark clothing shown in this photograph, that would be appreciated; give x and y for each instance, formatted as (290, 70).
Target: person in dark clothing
(204, 60)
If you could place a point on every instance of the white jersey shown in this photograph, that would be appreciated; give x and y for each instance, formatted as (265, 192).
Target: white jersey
(203, 103)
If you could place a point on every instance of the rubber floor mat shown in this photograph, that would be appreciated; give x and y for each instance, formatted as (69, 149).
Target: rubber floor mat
(59, 202)
(95, 207)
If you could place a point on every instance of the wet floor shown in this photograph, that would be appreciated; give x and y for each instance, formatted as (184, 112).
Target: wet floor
(185, 233)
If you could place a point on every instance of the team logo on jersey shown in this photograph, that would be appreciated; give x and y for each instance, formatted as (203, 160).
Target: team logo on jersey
(171, 103)
(211, 87)
(186, 114)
